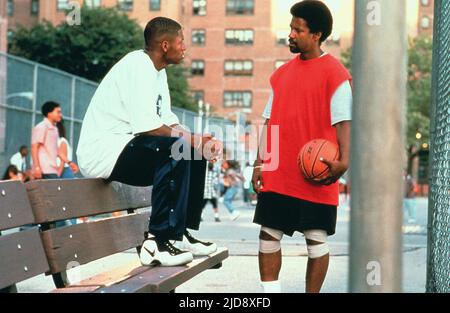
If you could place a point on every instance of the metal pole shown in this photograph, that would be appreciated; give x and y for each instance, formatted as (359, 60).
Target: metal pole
(380, 72)
(200, 118)
(72, 111)
(3, 74)
(34, 104)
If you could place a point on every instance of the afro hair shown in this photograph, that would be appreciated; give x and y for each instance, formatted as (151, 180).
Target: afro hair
(317, 15)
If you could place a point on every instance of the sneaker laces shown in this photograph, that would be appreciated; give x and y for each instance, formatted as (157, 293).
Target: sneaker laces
(171, 248)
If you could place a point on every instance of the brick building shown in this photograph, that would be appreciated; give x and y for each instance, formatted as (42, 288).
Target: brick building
(233, 45)
(426, 17)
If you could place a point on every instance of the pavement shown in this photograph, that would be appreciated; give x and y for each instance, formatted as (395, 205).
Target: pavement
(240, 274)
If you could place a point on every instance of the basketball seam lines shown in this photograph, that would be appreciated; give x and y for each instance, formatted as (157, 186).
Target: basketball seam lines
(318, 175)
(303, 165)
(314, 163)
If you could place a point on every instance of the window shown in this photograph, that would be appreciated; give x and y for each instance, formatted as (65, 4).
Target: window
(241, 99)
(425, 22)
(198, 37)
(155, 5)
(283, 37)
(240, 7)
(199, 7)
(238, 67)
(34, 7)
(62, 5)
(125, 5)
(93, 3)
(10, 7)
(239, 37)
(198, 68)
(198, 95)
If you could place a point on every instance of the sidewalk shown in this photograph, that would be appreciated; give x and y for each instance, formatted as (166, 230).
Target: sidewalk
(240, 272)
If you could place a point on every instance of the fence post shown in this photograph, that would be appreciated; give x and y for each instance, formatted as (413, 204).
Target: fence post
(3, 73)
(377, 153)
(72, 111)
(34, 103)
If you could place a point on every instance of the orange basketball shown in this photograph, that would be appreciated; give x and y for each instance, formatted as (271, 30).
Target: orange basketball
(309, 158)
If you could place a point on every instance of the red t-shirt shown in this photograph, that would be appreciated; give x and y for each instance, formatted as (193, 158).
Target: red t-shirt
(302, 92)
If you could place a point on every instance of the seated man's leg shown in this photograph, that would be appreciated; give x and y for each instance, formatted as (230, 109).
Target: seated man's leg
(196, 190)
(195, 205)
(148, 161)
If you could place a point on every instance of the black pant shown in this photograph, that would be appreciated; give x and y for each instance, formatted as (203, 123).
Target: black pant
(213, 202)
(177, 196)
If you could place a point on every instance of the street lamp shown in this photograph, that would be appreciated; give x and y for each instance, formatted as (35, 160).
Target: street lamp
(418, 136)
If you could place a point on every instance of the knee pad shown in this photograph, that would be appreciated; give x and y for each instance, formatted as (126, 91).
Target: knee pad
(270, 246)
(319, 250)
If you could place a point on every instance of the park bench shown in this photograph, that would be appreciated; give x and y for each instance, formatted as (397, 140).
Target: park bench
(52, 250)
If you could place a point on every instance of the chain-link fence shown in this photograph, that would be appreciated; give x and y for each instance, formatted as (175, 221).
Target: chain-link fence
(26, 85)
(438, 276)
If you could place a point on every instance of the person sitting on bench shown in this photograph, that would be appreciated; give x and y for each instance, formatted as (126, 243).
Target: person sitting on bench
(130, 135)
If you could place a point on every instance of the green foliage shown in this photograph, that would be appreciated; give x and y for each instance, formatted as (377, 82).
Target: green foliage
(418, 89)
(179, 88)
(88, 50)
(346, 59)
(92, 48)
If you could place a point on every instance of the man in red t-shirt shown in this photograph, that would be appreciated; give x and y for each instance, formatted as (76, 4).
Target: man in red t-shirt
(311, 99)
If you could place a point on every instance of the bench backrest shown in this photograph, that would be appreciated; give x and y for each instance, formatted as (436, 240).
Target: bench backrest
(55, 200)
(22, 254)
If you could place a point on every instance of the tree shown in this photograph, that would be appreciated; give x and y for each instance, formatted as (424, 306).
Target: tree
(418, 88)
(179, 88)
(91, 49)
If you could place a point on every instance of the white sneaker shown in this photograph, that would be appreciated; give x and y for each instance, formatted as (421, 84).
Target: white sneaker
(235, 215)
(195, 246)
(163, 253)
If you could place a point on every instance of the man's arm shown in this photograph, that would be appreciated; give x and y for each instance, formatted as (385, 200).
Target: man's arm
(170, 131)
(35, 157)
(339, 167)
(257, 177)
(196, 141)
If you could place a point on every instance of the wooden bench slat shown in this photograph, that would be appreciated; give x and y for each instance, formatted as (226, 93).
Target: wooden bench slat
(55, 200)
(15, 209)
(86, 242)
(83, 289)
(166, 279)
(22, 257)
(114, 276)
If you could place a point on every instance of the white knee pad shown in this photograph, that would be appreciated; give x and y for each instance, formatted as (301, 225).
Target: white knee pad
(270, 246)
(317, 251)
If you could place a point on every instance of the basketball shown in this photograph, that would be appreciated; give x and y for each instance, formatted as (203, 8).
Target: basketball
(309, 157)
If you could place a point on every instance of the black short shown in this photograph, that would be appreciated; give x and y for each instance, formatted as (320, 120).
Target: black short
(213, 202)
(289, 214)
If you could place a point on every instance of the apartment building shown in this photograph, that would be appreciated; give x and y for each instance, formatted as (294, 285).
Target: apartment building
(426, 17)
(233, 45)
